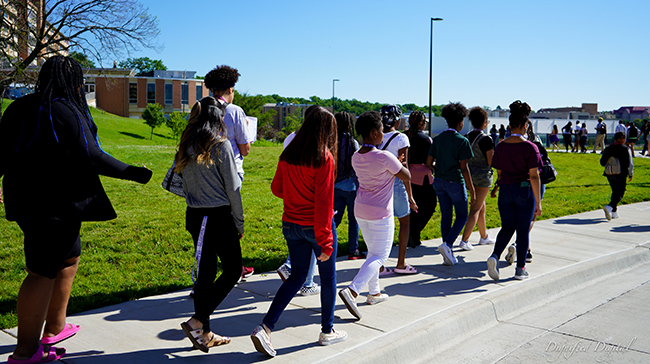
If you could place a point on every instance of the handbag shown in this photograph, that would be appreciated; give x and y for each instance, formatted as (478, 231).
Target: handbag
(173, 182)
(548, 173)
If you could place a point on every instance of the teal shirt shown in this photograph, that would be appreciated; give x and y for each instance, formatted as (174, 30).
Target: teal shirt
(448, 149)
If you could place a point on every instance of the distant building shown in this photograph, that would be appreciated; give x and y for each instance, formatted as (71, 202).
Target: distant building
(119, 91)
(282, 109)
(632, 112)
(586, 111)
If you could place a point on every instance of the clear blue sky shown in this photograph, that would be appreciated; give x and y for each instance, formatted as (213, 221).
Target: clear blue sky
(550, 53)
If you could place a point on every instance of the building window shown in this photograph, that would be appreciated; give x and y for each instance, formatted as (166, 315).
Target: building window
(133, 93)
(199, 92)
(151, 93)
(185, 97)
(169, 94)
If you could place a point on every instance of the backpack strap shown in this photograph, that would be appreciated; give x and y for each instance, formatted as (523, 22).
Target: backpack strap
(390, 140)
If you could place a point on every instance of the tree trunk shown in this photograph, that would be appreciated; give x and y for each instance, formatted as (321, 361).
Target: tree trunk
(151, 137)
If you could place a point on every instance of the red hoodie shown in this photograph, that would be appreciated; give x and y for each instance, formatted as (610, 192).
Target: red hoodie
(308, 196)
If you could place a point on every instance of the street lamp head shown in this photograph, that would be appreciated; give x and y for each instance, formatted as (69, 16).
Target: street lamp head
(436, 19)
(336, 79)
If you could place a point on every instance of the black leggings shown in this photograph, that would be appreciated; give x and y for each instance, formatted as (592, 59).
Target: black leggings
(567, 141)
(426, 199)
(221, 239)
(617, 183)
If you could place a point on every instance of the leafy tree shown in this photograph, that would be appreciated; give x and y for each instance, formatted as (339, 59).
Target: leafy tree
(143, 64)
(293, 121)
(177, 122)
(153, 116)
(83, 60)
(96, 28)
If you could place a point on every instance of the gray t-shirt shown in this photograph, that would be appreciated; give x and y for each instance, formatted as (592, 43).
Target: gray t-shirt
(217, 184)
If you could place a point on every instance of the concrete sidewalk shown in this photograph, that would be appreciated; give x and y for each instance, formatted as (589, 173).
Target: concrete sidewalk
(427, 313)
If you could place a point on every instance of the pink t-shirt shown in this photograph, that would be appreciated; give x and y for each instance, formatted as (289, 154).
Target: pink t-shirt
(376, 172)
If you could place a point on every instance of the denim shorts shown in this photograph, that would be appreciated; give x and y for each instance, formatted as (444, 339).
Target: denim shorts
(401, 206)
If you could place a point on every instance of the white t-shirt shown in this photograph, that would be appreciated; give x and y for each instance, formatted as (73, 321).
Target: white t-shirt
(238, 133)
(399, 142)
(621, 128)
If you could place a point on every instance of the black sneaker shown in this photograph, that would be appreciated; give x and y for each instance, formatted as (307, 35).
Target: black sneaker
(356, 255)
(529, 257)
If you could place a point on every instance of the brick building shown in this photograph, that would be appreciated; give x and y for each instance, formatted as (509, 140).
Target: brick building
(120, 92)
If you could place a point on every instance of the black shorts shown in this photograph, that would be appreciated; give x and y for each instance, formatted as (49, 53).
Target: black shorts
(49, 243)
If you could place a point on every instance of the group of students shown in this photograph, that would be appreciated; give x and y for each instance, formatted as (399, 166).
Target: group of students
(322, 171)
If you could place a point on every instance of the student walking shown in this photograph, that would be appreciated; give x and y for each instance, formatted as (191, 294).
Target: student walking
(376, 170)
(214, 217)
(617, 160)
(421, 177)
(481, 171)
(583, 138)
(345, 187)
(553, 138)
(502, 133)
(51, 160)
(567, 131)
(517, 162)
(397, 144)
(601, 131)
(304, 180)
(494, 134)
(449, 154)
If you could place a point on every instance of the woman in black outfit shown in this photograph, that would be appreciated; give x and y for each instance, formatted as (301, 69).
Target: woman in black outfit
(617, 182)
(51, 160)
(421, 177)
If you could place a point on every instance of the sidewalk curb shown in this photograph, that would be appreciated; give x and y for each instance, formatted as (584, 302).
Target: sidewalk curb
(441, 330)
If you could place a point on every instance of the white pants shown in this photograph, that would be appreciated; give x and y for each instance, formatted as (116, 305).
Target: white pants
(378, 235)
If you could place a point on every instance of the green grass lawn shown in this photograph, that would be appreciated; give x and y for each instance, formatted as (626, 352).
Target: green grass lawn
(146, 250)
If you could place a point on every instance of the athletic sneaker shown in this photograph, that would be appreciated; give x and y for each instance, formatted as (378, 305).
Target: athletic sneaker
(521, 273)
(493, 267)
(465, 245)
(245, 273)
(262, 341)
(373, 300)
(529, 257)
(486, 241)
(308, 291)
(356, 255)
(447, 254)
(510, 257)
(608, 211)
(284, 272)
(615, 215)
(350, 302)
(332, 338)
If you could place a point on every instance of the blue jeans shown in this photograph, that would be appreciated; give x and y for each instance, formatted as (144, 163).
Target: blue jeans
(343, 199)
(302, 244)
(516, 207)
(451, 196)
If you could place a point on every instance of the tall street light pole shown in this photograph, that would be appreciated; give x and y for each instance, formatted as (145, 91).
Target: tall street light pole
(431, 71)
(334, 80)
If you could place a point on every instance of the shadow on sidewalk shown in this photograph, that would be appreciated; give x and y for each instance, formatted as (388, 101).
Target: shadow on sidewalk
(634, 228)
(580, 221)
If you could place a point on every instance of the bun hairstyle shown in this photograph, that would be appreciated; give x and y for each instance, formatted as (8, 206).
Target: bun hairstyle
(519, 112)
(204, 129)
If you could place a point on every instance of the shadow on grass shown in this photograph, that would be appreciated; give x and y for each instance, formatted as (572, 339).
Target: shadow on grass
(132, 135)
(164, 136)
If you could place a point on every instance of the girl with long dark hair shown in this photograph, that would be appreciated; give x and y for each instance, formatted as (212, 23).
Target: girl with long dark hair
(304, 180)
(51, 158)
(517, 162)
(214, 216)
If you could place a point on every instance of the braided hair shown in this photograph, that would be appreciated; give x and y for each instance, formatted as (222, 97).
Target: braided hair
(415, 120)
(346, 147)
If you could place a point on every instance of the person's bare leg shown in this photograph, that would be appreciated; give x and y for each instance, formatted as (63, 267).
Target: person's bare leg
(56, 312)
(482, 228)
(474, 210)
(33, 299)
(403, 238)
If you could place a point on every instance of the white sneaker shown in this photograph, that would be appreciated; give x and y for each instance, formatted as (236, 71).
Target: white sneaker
(262, 341)
(447, 255)
(485, 241)
(510, 257)
(465, 245)
(350, 302)
(373, 300)
(284, 272)
(493, 268)
(615, 215)
(332, 338)
(308, 291)
(608, 211)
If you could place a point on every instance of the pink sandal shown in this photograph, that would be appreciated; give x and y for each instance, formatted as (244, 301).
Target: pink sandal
(406, 270)
(38, 357)
(386, 272)
(68, 331)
